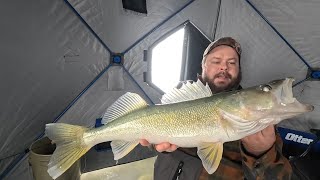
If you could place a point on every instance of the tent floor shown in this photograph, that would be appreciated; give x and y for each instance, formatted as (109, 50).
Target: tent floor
(139, 170)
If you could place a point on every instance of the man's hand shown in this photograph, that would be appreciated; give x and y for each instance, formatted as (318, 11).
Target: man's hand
(165, 146)
(260, 142)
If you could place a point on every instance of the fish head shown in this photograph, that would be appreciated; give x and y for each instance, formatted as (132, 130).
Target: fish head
(267, 103)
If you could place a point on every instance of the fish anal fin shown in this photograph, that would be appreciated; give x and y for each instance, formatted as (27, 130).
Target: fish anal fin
(210, 155)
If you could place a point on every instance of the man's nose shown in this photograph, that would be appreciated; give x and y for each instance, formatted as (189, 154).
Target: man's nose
(223, 66)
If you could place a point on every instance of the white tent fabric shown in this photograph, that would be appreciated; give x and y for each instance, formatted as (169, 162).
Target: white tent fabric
(49, 56)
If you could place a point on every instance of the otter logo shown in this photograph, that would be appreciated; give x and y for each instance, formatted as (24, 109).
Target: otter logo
(298, 138)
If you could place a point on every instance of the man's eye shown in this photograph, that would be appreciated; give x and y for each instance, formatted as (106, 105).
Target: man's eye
(214, 62)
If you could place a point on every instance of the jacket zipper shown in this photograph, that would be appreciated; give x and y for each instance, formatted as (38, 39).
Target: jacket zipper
(178, 171)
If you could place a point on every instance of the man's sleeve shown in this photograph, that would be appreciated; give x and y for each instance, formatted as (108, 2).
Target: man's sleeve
(271, 165)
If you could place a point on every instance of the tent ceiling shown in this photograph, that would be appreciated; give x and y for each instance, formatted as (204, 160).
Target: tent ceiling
(298, 22)
(118, 28)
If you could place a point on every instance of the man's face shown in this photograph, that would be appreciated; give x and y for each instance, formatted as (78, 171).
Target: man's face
(221, 69)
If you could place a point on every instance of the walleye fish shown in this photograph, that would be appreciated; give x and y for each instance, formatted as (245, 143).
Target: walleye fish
(188, 117)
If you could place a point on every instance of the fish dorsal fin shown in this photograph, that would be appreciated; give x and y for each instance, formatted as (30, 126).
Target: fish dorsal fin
(188, 91)
(126, 104)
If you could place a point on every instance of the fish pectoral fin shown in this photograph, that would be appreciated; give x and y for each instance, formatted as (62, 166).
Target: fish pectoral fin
(236, 122)
(210, 155)
(122, 148)
(266, 120)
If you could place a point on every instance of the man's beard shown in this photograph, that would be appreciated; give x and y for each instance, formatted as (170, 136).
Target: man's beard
(234, 84)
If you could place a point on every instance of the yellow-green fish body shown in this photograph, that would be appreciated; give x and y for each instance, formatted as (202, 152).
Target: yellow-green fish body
(185, 124)
(188, 117)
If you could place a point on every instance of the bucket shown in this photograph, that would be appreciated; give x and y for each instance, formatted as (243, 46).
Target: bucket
(39, 157)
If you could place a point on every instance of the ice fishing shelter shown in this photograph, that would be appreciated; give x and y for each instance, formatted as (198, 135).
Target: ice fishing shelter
(67, 61)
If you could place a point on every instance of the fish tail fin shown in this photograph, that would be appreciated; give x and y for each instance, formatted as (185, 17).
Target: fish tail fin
(70, 146)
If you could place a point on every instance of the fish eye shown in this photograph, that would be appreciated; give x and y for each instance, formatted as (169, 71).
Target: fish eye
(266, 88)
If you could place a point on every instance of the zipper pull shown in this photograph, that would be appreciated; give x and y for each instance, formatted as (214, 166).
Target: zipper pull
(178, 171)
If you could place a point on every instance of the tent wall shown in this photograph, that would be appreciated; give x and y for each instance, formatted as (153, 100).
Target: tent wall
(298, 22)
(112, 23)
(49, 56)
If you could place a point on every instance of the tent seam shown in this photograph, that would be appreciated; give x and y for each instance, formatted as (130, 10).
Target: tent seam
(88, 26)
(217, 19)
(138, 85)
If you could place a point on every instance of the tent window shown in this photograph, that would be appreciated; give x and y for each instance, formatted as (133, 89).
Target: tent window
(166, 61)
(176, 57)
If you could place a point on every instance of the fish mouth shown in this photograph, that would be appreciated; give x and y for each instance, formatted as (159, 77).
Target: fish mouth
(286, 94)
(285, 98)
